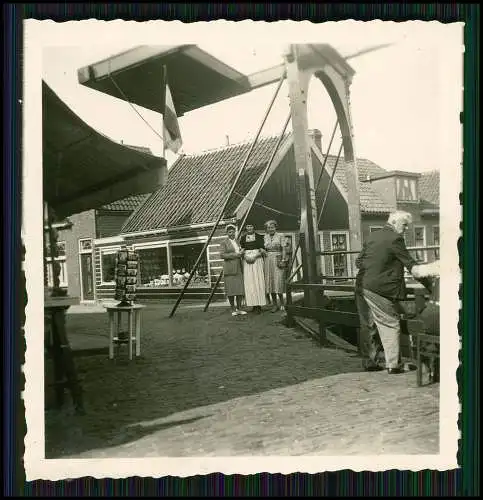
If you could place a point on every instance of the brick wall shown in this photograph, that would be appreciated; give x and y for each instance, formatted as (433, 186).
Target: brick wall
(83, 226)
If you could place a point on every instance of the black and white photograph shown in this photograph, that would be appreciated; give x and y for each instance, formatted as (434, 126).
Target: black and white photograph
(239, 236)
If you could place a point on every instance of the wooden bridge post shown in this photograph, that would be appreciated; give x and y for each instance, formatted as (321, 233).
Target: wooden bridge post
(298, 89)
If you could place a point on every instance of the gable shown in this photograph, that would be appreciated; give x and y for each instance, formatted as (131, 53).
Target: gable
(198, 186)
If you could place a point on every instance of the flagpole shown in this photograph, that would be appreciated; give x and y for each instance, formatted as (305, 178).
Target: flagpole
(165, 80)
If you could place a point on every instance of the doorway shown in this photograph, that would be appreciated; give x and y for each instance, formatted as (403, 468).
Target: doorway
(86, 270)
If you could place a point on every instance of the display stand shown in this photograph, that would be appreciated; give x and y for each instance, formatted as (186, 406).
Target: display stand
(127, 263)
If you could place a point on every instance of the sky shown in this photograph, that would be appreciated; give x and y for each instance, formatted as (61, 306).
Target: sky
(405, 99)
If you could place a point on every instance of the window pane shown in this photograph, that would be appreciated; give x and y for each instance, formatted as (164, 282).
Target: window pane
(50, 279)
(61, 248)
(153, 267)
(340, 267)
(413, 189)
(406, 189)
(184, 258)
(86, 245)
(436, 235)
(62, 269)
(419, 255)
(419, 236)
(436, 240)
(108, 263)
(63, 274)
(339, 242)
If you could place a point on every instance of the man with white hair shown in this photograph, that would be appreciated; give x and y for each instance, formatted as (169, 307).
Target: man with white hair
(380, 287)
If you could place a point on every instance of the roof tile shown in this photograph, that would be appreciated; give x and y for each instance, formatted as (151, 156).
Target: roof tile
(429, 187)
(198, 185)
(126, 204)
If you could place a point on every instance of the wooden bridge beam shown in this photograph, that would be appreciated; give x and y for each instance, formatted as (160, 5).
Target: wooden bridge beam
(298, 86)
(301, 63)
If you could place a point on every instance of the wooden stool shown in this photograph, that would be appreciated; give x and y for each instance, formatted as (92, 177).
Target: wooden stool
(134, 327)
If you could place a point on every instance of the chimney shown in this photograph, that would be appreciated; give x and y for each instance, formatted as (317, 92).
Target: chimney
(227, 140)
(316, 137)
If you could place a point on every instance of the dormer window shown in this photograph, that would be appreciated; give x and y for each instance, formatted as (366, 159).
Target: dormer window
(406, 189)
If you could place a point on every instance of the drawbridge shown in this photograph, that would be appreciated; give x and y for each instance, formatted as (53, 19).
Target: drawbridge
(301, 64)
(138, 73)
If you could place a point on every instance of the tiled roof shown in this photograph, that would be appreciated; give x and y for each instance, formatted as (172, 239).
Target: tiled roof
(371, 201)
(429, 187)
(198, 185)
(127, 204)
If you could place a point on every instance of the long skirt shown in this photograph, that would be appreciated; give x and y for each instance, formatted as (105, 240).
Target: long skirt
(234, 285)
(274, 276)
(253, 276)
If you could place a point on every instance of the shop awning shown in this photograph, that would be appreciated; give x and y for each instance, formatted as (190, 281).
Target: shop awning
(83, 169)
(196, 78)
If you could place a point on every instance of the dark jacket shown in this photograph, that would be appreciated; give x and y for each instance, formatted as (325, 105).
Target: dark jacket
(381, 264)
(259, 242)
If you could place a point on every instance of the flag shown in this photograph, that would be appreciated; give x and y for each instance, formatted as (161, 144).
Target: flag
(171, 131)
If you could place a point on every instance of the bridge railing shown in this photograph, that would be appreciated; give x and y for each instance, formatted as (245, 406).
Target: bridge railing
(341, 282)
(339, 286)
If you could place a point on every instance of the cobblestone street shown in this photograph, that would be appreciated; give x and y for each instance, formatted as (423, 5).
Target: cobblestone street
(210, 384)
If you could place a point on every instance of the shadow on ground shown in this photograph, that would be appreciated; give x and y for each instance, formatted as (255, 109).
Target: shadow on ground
(191, 360)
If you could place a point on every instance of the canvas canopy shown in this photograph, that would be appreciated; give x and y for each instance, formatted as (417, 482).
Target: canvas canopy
(83, 169)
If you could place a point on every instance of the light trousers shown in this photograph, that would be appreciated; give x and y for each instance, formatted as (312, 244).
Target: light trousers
(386, 315)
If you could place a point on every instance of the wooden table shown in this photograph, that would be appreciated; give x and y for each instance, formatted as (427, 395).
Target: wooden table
(115, 312)
(64, 366)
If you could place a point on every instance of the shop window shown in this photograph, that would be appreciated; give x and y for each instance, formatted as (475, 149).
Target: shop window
(183, 258)
(153, 267)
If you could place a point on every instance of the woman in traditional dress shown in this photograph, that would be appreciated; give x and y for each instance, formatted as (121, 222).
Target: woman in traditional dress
(231, 253)
(253, 272)
(275, 265)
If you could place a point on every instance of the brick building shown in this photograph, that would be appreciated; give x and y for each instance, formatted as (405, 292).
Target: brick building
(170, 227)
(75, 245)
